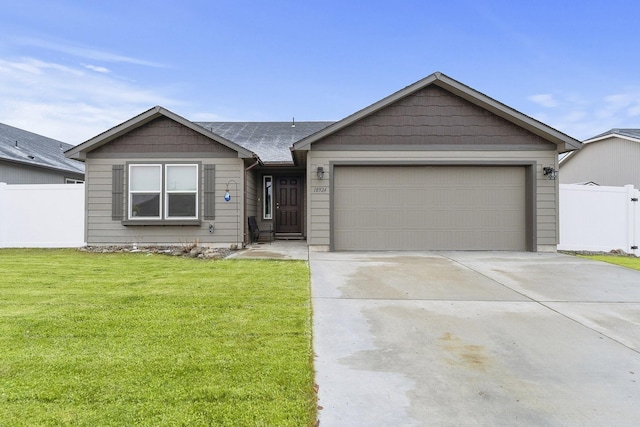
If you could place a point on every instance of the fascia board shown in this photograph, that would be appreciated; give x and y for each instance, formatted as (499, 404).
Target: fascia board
(305, 143)
(80, 151)
(565, 158)
(564, 142)
(612, 135)
(242, 152)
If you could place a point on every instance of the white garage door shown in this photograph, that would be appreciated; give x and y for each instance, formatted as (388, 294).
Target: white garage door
(429, 208)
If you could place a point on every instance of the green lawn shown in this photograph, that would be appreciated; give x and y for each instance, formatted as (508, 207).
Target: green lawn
(630, 262)
(134, 339)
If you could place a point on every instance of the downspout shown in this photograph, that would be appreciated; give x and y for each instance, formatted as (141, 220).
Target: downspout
(244, 198)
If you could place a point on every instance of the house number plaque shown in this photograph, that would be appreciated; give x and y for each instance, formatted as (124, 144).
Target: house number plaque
(319, 189)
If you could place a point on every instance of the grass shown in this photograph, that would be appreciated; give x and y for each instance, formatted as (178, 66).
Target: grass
(150, 340)
(625, 261)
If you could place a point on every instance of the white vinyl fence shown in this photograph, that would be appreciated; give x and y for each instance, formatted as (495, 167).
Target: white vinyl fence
(41, 215)
(598, 218)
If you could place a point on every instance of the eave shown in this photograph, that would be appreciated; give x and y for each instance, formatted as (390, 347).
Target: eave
(564, 142)
(79, 152)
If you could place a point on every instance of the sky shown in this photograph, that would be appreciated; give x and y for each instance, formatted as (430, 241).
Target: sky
(72, 69)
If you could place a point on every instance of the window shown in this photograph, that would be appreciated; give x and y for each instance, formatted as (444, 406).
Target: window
(267, 197)
(73, 181)
(145, 190)
(182, 191)
(159, 191)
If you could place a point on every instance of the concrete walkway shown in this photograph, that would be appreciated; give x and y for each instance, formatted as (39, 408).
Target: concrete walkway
(278, 249)
(475, 338)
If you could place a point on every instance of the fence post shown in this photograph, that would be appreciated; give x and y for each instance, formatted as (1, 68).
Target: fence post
(634, 219)
(3, 214)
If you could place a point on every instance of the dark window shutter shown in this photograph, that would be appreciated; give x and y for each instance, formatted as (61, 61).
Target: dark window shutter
(117, 189)
(209, 191)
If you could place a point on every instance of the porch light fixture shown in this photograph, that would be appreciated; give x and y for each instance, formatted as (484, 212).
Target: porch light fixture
(549, 172)
(320, 172)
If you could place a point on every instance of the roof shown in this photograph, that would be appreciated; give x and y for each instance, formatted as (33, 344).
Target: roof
(79, 152)
(628, 134)
(564, 142)
(21, 146)
(271, 141)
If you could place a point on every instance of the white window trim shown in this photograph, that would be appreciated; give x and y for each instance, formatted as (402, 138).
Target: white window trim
(73, 181)
(264, 197)
(167, 192)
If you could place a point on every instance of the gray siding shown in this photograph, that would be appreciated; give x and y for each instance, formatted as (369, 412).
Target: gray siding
(613, 161)
(103, 230)
(14, 173)
(433, 118)
(252, 193)
(164, 140)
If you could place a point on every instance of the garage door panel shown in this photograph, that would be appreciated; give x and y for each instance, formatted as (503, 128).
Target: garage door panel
(429, 208)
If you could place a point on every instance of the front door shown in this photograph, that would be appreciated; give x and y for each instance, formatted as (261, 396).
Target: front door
(288, 204)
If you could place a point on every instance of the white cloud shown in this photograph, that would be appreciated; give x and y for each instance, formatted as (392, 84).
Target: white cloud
(544, 99)
(582, 117)
(97, 68)
(66, 103)
(621, 104)
(86, 52)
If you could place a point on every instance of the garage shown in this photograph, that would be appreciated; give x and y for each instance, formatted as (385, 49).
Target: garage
(429, 207)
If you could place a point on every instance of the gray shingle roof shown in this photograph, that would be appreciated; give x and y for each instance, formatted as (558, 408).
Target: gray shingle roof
(271, 141)
(20, 146)
(631, 133)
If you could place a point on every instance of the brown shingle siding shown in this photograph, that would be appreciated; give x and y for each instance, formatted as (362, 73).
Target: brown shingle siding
(433, 116)
(162, 135)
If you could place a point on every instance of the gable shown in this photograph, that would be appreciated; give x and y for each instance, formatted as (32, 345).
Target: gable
(613, 162)
(433, 118)
(164, 136)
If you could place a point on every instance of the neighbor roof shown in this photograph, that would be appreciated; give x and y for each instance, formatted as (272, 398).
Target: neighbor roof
(564, 142)
(21, 146)
(271, 141)
(629, 133)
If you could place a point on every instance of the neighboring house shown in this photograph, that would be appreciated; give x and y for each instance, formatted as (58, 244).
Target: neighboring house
(434, 166)
(29, 158)
(611, 158)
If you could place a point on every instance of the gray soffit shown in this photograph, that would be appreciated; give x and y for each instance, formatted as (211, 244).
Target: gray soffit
(271, 141)
(20, 146)
(563, 141)
(80, 151)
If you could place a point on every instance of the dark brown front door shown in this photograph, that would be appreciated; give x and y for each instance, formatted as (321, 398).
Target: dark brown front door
(288, 204)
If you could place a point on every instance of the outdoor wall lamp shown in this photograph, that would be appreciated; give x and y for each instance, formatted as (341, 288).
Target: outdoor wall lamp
(320, 172)
(549, 172)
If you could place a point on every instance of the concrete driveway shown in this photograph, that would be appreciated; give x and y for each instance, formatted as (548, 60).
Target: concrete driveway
(475, 338)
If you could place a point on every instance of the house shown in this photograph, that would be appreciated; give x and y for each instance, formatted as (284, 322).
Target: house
(29, 158)
(436, 165)
(611, 158)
